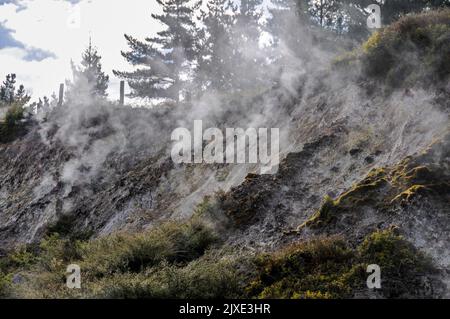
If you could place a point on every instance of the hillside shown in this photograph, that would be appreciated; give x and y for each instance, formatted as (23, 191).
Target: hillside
(364, 179)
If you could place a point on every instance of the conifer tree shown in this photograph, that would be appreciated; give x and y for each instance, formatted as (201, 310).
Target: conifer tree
(248, 57)
(89, 77)
(7, 89)
(8, 93)
(324, 12)
(283, 15)
(163, 62)
(215, 48)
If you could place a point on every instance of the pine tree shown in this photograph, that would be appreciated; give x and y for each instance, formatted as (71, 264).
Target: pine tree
(165, 60)
(284, 15)
(248, 58)
(247, 20)
(215, 48)
(8, 93)
(42, 105)
(7, 90)
(89, 78)
(324, 12)
(21, 93)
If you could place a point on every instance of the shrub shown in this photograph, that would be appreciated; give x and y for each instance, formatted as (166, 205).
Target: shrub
(330, 268)
(313, 268)
(14, 115)
(414, 49)
(402, 265)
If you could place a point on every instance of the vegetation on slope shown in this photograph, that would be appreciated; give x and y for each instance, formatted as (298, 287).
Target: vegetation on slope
(12, 110)
(414, 50)
(330, 268)
(186, 260)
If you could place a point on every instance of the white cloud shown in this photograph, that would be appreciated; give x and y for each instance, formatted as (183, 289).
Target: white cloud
(52, 25)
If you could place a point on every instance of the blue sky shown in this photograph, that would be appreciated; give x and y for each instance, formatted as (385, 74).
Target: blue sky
(39, 38)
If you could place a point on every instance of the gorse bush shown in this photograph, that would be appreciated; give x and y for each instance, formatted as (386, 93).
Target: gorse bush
(414, 49)
(330, 268)
(317, 268)
(401, 264)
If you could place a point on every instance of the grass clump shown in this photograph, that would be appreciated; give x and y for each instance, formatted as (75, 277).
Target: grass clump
(172, 242)
(105, 261)
(209, 277)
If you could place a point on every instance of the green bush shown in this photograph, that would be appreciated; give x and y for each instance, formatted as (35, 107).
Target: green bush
(330, 268)
(402, 265)
(14, 115)
(314, 268)
(414, 49)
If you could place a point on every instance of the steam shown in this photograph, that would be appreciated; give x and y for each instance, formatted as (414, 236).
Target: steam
(300, 95)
